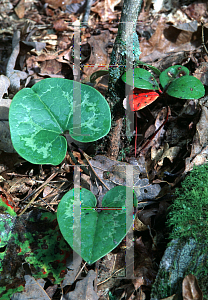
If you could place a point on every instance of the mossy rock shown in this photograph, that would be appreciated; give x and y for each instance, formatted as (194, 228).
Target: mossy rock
(181, 258)
(188, 250)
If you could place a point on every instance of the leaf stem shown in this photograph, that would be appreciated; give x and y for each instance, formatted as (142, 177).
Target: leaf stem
(84, 169)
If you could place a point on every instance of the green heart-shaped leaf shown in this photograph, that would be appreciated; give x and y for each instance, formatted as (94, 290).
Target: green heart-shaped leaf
(141, 78)
(186, 87)
(101, 231)
(172, 73)
(39, 116)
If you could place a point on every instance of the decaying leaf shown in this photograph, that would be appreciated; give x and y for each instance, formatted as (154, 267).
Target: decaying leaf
(57, 3)
(34, 289)
(5, 140)
(196, 11)
(191, 289)
(84, 289)
(20, 9)
(105, 9)
(111, 263)
(138, 225)
(164, 152)
(115, 173)
(190, 27)
(73, 267)
(199, 149)
(99, 59)
(202, 73)
(165, 40)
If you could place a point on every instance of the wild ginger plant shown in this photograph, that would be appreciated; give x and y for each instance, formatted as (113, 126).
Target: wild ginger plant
(38, 118)
(175, 81)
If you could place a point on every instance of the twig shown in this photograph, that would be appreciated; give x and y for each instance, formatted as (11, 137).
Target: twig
(125, 53)
(15, 75)
(96, 175)
(203, 43)
(154, 134)
(38, 191)
(87, 12)
(80, 271)
(110, 277)
(84, 169)
(47, 204)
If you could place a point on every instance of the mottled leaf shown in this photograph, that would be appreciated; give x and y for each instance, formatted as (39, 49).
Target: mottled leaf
(101, 231)
(38, 118)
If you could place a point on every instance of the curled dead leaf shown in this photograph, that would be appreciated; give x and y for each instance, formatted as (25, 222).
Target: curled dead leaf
(84, 288)
(191, 289)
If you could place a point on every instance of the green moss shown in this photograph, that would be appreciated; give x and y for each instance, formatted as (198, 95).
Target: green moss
(188, 217)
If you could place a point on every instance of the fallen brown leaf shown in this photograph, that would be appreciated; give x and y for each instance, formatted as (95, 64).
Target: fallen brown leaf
(60, 25)
(20, 9)
(84, 289)
(199, 149)
(191, 290)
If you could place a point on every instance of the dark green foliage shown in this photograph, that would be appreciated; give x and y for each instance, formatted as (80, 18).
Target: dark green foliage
(39, 117)
(172, 73)
(100, 231)
(175, 82)
(141, 78)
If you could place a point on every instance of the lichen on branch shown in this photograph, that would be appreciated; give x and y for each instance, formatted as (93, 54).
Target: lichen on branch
(125, 53)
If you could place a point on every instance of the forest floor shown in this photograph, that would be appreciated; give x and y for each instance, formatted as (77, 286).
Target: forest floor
(44, 32)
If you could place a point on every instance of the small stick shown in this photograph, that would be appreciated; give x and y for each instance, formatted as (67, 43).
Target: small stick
(87, 12)
(38, 191)
(203, 43)
(84, 169)
(96, 175)
(154, 134)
